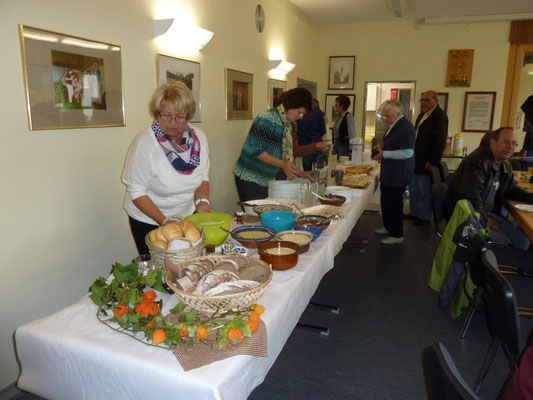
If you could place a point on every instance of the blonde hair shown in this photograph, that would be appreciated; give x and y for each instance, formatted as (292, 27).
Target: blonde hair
(173, 92)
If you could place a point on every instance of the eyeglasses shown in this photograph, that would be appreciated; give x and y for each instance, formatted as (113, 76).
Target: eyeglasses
(508, 142)
(169, 117)
(424, 100)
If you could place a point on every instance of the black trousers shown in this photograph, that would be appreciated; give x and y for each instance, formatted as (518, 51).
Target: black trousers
(392, 209)
(139, 230)
(250, 190)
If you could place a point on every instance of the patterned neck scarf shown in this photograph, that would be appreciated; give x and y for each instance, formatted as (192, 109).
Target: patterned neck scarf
(286, 143)
(185, 156)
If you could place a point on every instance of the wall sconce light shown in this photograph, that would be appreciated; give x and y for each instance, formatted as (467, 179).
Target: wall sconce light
(281, 66)
(190, 36)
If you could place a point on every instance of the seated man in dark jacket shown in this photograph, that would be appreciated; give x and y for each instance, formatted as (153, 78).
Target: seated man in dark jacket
(485, 178)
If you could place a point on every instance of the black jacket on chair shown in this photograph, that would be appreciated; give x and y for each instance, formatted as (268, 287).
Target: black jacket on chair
(430, 139)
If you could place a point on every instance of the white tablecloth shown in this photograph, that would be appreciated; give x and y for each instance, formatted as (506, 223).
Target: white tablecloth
(71, 355)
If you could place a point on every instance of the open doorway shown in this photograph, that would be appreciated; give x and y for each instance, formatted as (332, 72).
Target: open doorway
(375, 94)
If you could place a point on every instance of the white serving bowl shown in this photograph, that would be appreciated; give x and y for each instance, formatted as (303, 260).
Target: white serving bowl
(341, 191)
(249, 205)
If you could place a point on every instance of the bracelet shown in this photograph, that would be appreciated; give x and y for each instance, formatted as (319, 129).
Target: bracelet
(202, 200)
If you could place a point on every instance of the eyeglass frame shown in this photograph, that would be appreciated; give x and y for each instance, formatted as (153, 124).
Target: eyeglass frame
(169, 117)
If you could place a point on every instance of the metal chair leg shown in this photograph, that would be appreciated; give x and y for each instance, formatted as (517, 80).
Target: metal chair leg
(324, 331)
(469, 316)
(486, 363)
(333, 309)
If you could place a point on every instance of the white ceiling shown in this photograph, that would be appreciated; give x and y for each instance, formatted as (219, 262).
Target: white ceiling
(326, 12)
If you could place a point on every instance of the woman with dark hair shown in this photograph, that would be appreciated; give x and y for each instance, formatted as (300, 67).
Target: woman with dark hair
(344, 128)
(271, 145)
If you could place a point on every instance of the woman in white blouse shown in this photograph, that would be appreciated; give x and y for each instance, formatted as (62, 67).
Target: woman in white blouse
(167, 166)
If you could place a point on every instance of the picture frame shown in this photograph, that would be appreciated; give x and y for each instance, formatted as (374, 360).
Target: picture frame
(459, 71)
(186, 71)
(309, 85)
(341, 72)
(275, 88)
(478, 112)
(71, 82)
(239, 94)
(443, 100)
(329, 105)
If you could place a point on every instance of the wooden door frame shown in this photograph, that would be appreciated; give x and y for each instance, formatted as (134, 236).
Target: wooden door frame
(515, 64)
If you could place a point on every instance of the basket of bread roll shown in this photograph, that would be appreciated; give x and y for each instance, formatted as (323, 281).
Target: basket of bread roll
(176, 239)
(223, 283)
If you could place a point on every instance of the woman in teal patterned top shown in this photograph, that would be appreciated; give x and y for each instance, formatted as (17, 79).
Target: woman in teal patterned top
(269, 146)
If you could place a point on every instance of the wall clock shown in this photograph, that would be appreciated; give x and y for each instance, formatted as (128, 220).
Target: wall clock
(259, 18)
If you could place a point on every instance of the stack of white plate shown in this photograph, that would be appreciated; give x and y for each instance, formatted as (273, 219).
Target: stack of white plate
(285, 189)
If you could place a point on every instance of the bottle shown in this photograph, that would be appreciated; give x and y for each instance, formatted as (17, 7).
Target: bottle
(239, 217)
(457, 145)
(357, 150)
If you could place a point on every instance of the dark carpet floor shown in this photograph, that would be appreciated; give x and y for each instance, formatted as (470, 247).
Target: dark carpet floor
(388, 316)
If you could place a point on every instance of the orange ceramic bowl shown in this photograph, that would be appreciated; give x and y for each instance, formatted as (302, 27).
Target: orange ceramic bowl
(280, 255)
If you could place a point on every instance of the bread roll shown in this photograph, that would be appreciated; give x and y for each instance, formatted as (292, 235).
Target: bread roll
(171, 231)
(193, 235)
(151, 235)
(162, 244)
(186, 225)
(159, 234)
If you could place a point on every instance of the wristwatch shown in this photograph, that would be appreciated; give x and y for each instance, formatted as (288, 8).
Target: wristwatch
(201, 200)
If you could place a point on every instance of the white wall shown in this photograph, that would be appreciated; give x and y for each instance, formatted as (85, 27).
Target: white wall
(405, 51)
(62, 222)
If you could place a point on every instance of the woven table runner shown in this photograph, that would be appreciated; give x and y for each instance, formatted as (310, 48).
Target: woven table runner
(204, 354)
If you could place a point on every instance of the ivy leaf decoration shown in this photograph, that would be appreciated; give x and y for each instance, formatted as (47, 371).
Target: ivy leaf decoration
(125, 273)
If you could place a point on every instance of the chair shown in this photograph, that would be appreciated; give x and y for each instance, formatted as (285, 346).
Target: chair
(501, 315)
(434, 174)
(443, 379)
(444, 172)
(437, 195)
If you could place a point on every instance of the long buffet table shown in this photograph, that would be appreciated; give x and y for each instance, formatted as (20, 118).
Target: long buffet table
(71, 355)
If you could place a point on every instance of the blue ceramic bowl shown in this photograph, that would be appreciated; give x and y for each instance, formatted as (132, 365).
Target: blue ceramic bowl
(278, 220)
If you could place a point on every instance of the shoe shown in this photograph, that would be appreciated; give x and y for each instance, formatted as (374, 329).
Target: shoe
(408, 216)
(392, 240)
(420, 222)
(381, 231)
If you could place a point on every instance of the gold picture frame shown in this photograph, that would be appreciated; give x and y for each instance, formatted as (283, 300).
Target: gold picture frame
(239, 94)
(71, 82)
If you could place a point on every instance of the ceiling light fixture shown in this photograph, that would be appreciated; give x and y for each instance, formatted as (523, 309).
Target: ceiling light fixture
(398, 7)
(478, 18)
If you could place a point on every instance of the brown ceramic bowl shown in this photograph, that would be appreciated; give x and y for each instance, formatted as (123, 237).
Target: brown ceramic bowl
(313, 220)
(302, 238)
(271, 207)
(332, 200)
(281, 255)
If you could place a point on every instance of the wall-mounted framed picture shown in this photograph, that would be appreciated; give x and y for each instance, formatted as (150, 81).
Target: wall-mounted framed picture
(443, 100)
(188, 72)
(341, 72)
(275, 88)
(478, 111)
(239, 94)
(309, 85)
(329, 107)
(459, 72)
(70, 82)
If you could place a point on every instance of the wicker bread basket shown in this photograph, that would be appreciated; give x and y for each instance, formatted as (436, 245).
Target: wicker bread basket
(210, 304)
(158, 254)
